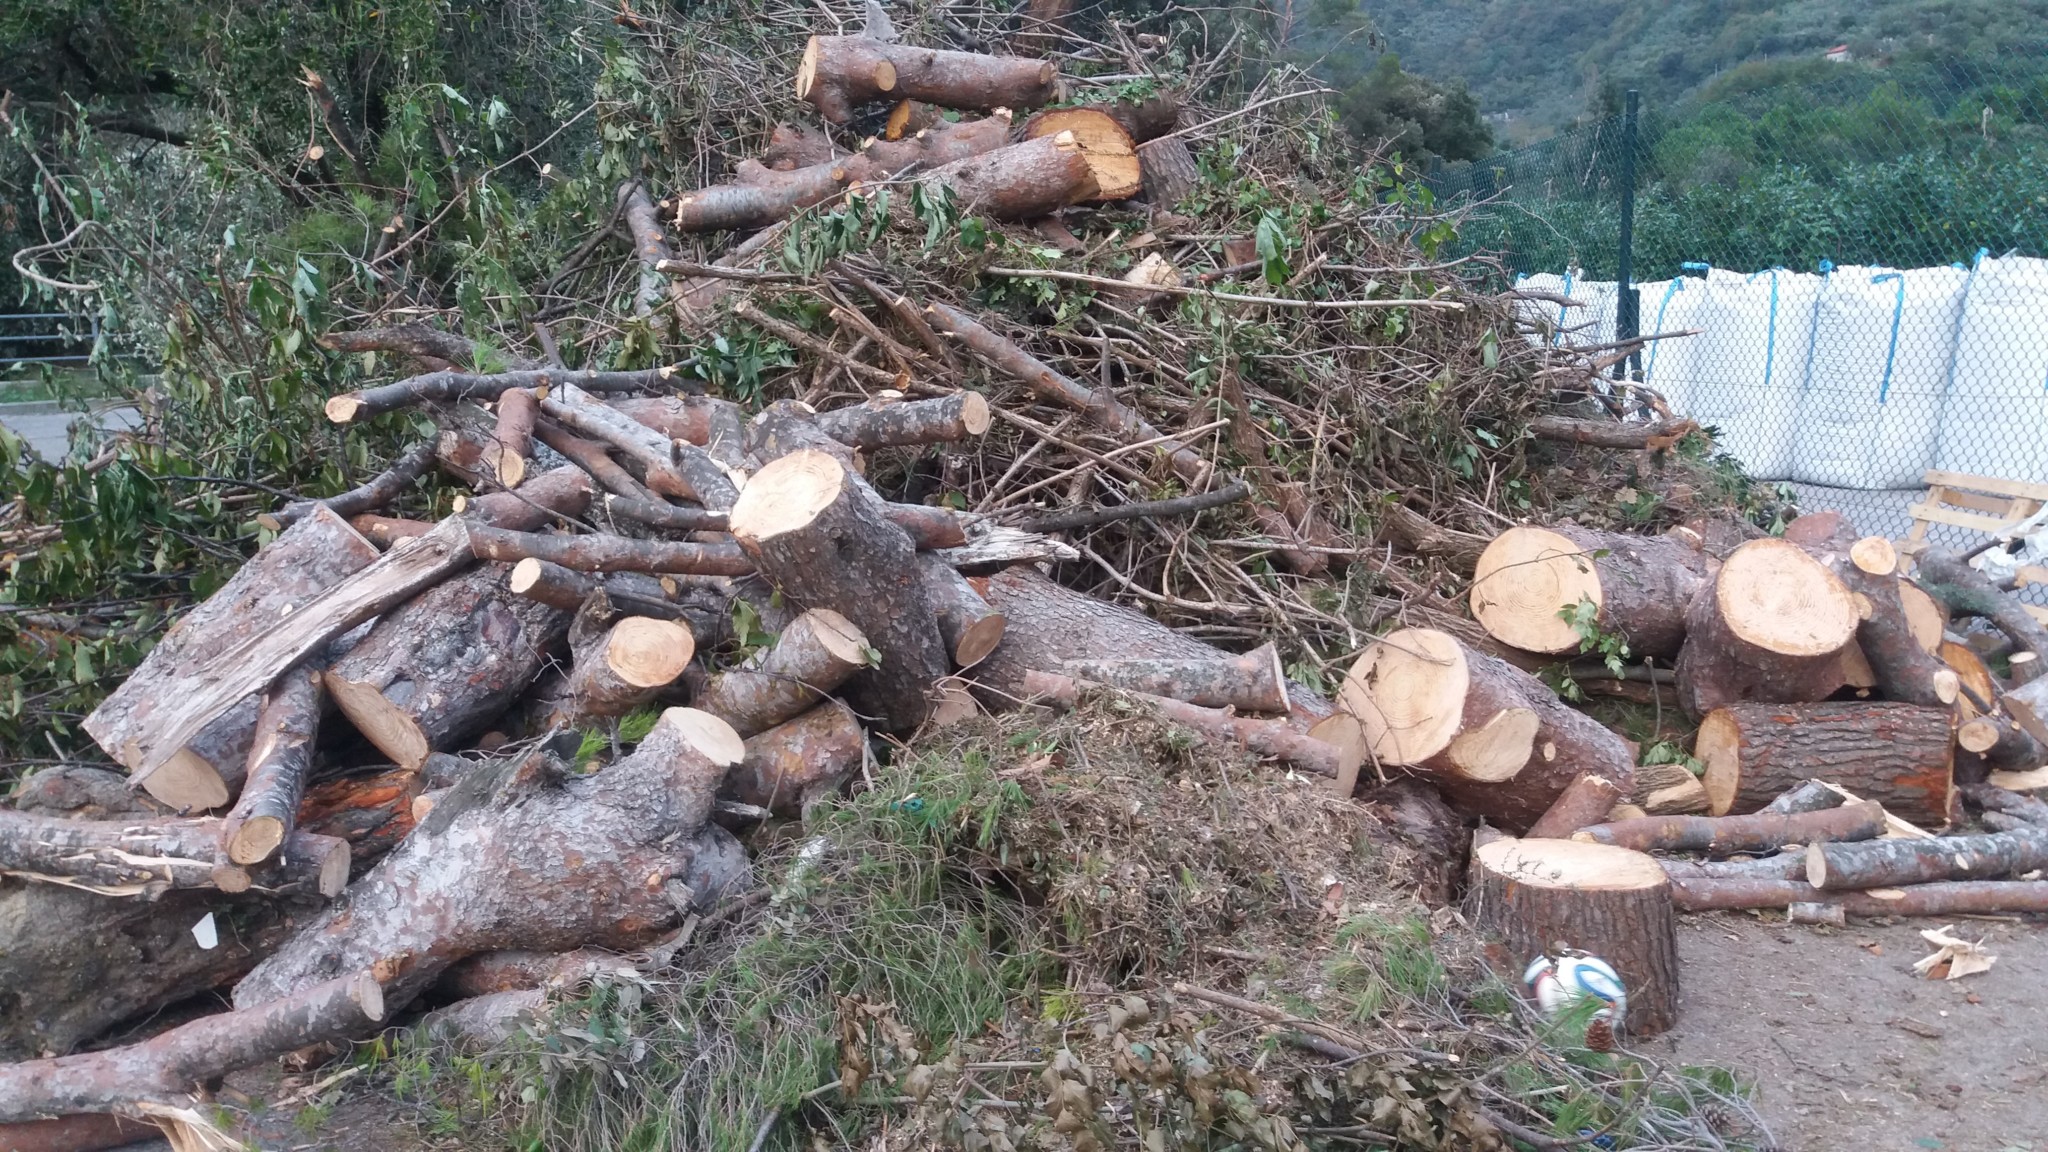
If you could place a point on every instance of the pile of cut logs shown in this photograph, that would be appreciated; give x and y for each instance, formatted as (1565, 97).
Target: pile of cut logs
(1839, 722)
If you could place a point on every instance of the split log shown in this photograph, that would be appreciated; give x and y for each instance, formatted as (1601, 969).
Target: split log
(1783, 866)
(1169, 171)
(164, 1069)
(1900, 755)
(1639, 586)
(873, 425)
(1496, 740)
(1769, 626)
(1728, 835)
(798, 760)
(1585, 801)
(1956, 898)
(839, 72)
(1611, 433)
(1272, 739)
(280, 583)
(1537, 896)
(522, 856)
(1022, 181)
(625, 666)
(1112, 152)
(375, 492)
(1670, 790)
(1253, 682)
(1100, 407)
(512, 441)
(818, 531)
(148, 858)
(604, 553)
(969, 626)
(449, 387)
(1049, 624)
(438, 670)
(1963, 590)
(1811, 796)
(797, 146)
(1889, 863)
(812, 657)
(265, 814)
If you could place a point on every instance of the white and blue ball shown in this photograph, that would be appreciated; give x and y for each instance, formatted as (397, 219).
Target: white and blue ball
(1558, 984)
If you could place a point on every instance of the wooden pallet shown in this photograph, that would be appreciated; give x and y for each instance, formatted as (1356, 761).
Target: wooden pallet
(1981, 504)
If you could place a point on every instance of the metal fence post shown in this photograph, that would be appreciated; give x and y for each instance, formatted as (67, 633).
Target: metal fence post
(1627, 310)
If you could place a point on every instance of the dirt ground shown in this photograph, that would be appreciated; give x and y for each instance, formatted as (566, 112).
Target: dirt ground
(1853, 1051)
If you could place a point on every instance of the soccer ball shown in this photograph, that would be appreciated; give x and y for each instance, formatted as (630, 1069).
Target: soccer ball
(1557, 984)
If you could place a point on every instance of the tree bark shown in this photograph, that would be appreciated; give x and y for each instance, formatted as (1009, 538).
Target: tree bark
(1899, 755)
(597, 553)
(818, 531)
(1271, 739)
(419, 341)
(281, 581)
(375, 492)
(1783, 866)
(789, 764)
(1902, 668)
(1639, 587)
(521, 856)
(511, 444)
(625, 666)
(1023, 181)
(762, 196)
(83, 792)
(1496, 740)
(137, 858)
(80, 1132)
(1972, 898)
(717, 426)
(797, 146)
(839, 72)
(969, 626)
(1585, 801)
(438, 670)
(492, 972)
(876, 424)
(1048, 624)
(1253, 682)
(371, 813)
(1889, 863)
(448, 387)
(1537, 895)
(1727, 835)
(1769, 627)
(673, 468)
(943, 143)
(812, 657)
(930, 528)
(1611, 433)
(1670, 790)
(1110, 148)
(267, 811)
(1811, 796)
(1169, 171)
(649, 244)
(163, 1070)
(788, 426)
(542, 500)
(704, 609)
(591, 457)
(1965, 591)
(1999, 800)
(1998, 744)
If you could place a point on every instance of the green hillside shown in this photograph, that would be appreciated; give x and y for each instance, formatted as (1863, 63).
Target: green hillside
(1536, 64)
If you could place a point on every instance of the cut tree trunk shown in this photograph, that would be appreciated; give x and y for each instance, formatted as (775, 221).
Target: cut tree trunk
(148, 858)
(873, 425)
(1108, 145)
(267, 811)
(1537, 896)
(1496, 740)
(1253, 682)
(1901, 667)
(625, 666)
(1639, 587)
(1769, 626)
(838, 73)
(797, 760)
(1586, 801)
(970, 627)
(1900, 755)
(1958, 898)
(1670, 790)
(812, 657)
(1141, 120)
(818, 532)
(205, 768)
(793, 146)
(1169, 171)
(438, 670)
(200, 691)
(1998, 744)
(376, 492)
(602, 553)
(1888, 863)
(512, 442)
(80, 1132)
(761, 196)
(523, 856)
(1049, 624)
(1272, 739)
(164, 1069)
(1728, 835)
(1022, 181)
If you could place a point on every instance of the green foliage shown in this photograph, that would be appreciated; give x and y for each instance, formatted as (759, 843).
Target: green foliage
(1414, 115)
(1667, 752)
(1584, 617)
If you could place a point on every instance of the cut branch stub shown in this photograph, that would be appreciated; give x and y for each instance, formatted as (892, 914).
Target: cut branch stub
(971, 628)
(1496, 740)
(1639, 587)
(818, 531)
(1770, 626)
(810, 659)
(907, 422)
(838, 73)
(627, 665)
(1900, 755)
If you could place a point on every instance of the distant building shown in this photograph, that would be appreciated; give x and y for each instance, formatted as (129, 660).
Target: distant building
(1839, 54)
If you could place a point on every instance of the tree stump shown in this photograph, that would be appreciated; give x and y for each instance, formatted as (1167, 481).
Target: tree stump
(1539, 897)
(1638, 585)
(1900, 755)
(1770, 626)
(1496, 740)
(820, 533)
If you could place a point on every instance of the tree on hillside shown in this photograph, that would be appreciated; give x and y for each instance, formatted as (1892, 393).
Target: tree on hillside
(1414, 114)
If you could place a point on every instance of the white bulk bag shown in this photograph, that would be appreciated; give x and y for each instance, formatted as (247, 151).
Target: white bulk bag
(1670, 306)
(1882, 340)
(1748, 371)
(1593, 324)
(1566, 324)
(1995, 418)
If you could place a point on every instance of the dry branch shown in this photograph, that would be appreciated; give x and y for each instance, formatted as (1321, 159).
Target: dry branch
(1973, 898)
(147, 858)
(1727, 835)
(1253, 682)
(812, 657)
(448, 387)
(375, 492)
(1887, 863)
(601, 553)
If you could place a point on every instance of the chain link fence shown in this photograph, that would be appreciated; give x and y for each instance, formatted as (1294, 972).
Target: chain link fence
(1859, 245)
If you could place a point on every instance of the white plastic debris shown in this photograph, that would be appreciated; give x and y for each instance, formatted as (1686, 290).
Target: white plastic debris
(207, 935)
